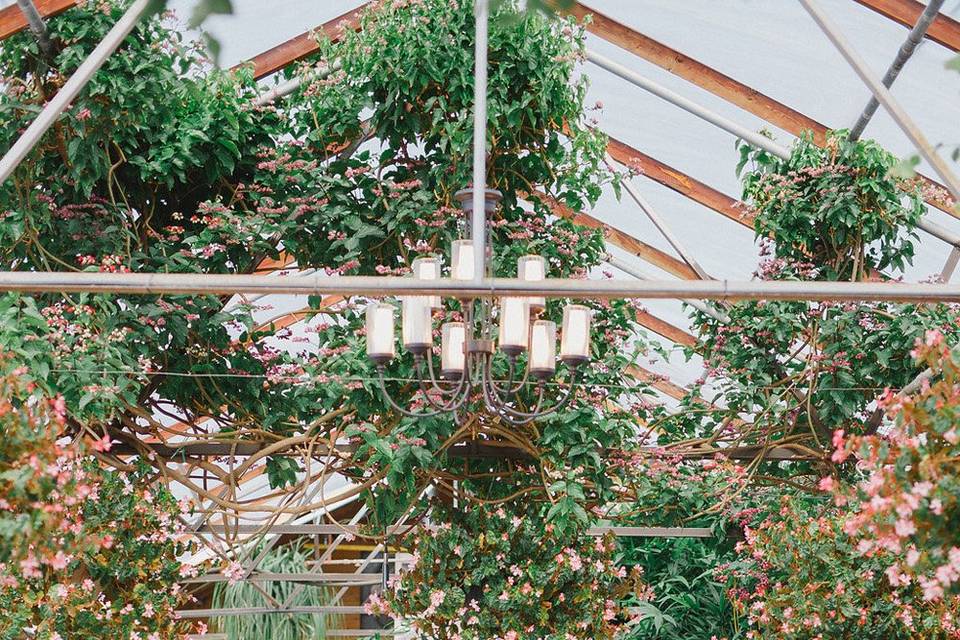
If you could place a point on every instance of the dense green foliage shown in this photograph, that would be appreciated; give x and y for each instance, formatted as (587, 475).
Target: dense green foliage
(164, 164)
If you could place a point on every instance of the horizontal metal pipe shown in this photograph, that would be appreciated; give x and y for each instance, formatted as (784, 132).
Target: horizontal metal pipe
(244, 611)
(629, 269)
(330, 579)
(631, 76)
(379, 286)
(334, 529)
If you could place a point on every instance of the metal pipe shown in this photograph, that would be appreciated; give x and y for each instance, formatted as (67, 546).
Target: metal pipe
(71, 89)
(629, 269)
(328, 529)
(479, 231)
(939, 232)
(286, 88)
(906, 50)
(37, 26)
(631, 76)
(883, 95)
(661, 225)
(741, 132)
(243, 611)
(378, 286)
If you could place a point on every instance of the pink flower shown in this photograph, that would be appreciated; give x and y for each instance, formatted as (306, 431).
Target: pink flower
(904, 528)
(60, 561)
(102, 445)
(234, 572)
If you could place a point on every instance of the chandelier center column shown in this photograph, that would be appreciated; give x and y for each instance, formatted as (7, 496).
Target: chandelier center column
(479, 218)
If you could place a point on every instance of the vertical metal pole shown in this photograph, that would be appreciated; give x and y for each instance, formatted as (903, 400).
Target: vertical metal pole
(883, 95)
(906, 50)
(479, 222)
(71, 89)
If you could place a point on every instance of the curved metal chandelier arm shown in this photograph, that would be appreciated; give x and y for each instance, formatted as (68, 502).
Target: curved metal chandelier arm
(435, 382)
(509, 412)
(509, 389)
(457, 395)
(398, 408)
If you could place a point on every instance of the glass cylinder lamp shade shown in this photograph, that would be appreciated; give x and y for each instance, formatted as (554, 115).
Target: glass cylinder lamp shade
(514, 325)
(575, 339)
(543, 349)
(380, 332)
(461, 260)
(453, 356)
(417, 328)
(428, 269)
(533, 268)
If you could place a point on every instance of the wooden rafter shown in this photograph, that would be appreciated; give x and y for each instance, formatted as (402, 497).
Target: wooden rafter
(698, 73)
(944, 30)
(303, 45)
(723, 86)
(12, 19)
(680, 182)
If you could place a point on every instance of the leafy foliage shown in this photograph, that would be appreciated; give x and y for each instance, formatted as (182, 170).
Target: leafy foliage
(514, 579)
(84, 552)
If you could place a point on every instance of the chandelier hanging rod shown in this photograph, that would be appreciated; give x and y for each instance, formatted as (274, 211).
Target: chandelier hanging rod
(380, 286)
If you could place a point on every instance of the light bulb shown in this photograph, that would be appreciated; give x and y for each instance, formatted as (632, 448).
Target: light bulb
(452, 354)
(533, 268)
(380, 332)
(461, 260)
(428, 268)
(543, 349)
(514, 325)
(417, 328)
(575, 339)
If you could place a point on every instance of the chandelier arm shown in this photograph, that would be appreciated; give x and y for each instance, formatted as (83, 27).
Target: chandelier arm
(398, 408)
(453, 387)
(537, 413)
(434, 381)
(509, 389)
(500, 406)
(523, 381)
(455, 394)
(517, 418)
(571, 392)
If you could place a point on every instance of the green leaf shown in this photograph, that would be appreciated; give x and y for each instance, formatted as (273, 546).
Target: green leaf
(206, 8)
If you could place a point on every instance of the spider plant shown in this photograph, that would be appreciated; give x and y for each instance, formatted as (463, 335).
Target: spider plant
(288, 559)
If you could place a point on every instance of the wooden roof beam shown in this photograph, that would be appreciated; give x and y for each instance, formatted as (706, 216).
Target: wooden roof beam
(698, 73)
(944, 30)
(680, 182)
(303, 45)
(731, 90)
(13, 21)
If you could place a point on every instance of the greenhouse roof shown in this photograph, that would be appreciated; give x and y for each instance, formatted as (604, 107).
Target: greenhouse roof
(762, 65)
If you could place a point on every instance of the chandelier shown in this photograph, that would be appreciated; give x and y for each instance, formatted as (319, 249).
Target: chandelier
(467, 347)
(468, 350)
